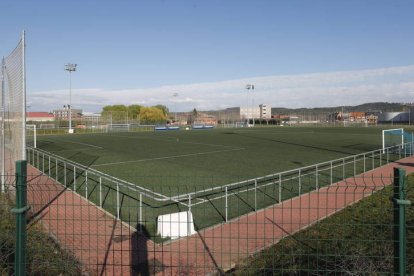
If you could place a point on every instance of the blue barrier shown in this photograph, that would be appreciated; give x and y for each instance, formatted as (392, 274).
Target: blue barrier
(202, 126)
(167, 128)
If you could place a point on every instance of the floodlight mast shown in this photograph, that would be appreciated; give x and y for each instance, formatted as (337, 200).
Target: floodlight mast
(175, 95)
(70, 67)
(249, 87)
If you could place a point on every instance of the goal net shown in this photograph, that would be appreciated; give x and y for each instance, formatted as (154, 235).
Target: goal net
(119, 128)
(392, 138)
(31, 136)
(13, 109)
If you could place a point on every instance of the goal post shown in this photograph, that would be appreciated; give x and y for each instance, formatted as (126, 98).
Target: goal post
(119, 127)
(31, 136)
(392, 137)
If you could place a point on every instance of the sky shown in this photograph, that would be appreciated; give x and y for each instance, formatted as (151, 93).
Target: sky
(296, 53)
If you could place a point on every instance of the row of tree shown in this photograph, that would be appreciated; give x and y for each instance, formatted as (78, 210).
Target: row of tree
(134, 113)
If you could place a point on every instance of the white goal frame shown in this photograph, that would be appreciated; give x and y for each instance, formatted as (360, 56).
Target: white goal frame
(388, 130)
(119, 127)
(32, 127)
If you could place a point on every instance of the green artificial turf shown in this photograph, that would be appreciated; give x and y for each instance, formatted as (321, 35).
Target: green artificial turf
(180, 162)
(223, 154)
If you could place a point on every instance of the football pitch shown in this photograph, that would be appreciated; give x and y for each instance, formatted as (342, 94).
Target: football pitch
(149, 158)
(218, 174)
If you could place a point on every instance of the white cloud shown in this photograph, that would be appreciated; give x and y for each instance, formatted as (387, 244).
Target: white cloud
(394, 84)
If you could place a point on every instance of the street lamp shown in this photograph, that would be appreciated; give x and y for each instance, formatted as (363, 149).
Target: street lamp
(249, 87)
(70, 67)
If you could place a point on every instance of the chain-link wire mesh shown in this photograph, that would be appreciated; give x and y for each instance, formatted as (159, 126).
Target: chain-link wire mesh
(343, 228)
(13, 103)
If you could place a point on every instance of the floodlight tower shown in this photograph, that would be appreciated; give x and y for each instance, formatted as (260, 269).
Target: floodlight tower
(70, 67)
(175, 95)
(249, 87)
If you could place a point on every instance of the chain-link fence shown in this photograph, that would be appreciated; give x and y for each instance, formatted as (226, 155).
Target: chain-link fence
(348, 227)
(209, 203)
(13, 109)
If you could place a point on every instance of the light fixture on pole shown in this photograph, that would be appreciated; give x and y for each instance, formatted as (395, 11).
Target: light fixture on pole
(249, 87)
(70, 67)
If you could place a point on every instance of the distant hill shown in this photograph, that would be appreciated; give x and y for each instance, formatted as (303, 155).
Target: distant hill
(372, 107)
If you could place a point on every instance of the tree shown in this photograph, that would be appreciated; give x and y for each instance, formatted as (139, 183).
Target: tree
(193, 116)
(164, 109)
(151, 115)
(134, 110)
(115, 113)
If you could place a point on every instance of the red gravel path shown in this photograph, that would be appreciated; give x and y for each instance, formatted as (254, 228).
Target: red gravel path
(105, 246)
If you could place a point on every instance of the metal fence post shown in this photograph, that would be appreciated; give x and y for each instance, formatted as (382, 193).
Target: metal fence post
(364, 162)
(86, 184)
(399, 152)
(188, 215)
(64, 174)
(74, 179)
(380, 157)
(399, 229)
(300, 183)
(331, 172)
(226, 207)
(117, 200)
(354, 165)
(373, 160)
(100, 191)
(20, 211)
(280, 187)
(317, 178)
(255, 194)
(388, 157)
(48, 168)
(140, 212)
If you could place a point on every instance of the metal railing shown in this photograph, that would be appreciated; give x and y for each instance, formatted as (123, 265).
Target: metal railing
(102, 128)
(256, 193)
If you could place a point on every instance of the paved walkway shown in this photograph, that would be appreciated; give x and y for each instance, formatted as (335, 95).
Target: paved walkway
(107, 247)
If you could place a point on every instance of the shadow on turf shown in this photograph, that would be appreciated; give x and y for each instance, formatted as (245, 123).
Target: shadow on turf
(139, 262)
(294, 144)
(85, 159)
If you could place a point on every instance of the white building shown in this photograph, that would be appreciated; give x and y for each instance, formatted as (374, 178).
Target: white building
(89, 116)
(63, 114)
(265, 111)
(262, 111)
(249, 112)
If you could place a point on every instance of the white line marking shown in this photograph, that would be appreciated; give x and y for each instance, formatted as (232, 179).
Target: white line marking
(166, 157)
(89, 145)
(81, 149)
(173, 140)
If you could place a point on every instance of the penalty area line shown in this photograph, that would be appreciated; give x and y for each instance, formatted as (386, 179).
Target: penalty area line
(166, 157)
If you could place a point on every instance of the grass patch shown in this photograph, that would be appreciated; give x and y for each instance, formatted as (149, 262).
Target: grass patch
(44, 256)
(357, 240)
